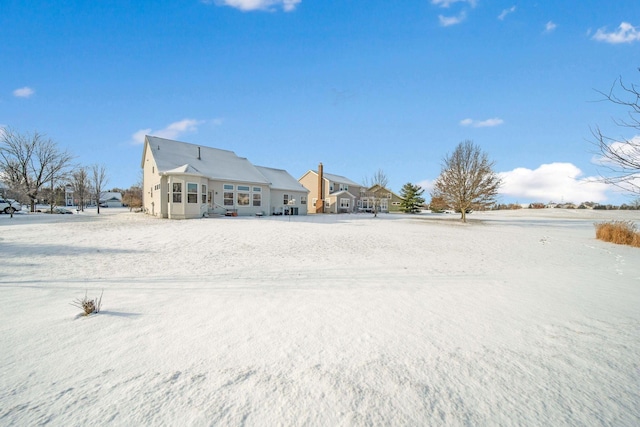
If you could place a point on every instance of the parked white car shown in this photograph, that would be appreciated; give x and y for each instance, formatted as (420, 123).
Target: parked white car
(9, 206)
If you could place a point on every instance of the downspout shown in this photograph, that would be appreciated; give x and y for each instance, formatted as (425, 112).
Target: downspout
(320, 207)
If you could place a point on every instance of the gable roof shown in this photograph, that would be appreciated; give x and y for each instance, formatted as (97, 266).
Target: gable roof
(106, 196)
(334, 178)
(340, 179)
(377, 187)
(342, 192)
(281, 180)
(182, 157)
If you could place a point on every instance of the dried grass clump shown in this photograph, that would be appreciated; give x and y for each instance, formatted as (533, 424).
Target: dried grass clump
(87, 305)
(620, 232)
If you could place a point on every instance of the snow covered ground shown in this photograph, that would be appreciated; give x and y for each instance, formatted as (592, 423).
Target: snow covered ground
(517, 318)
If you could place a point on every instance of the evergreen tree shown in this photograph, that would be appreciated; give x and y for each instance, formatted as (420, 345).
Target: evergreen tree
(412, 199)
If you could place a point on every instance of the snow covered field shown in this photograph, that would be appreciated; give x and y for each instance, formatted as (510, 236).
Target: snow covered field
(517, 318)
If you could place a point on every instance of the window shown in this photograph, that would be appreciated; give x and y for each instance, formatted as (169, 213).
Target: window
(243, 198)
(257, 199)
(257, 189)
(192, 192)
(303, 200)
(243, 188)
(177, 192)
(314, 201)
(331, 187)
(227, 187)
(327, 203)
(204, 194)
(344, 203)
(228, 199)
(286, 199)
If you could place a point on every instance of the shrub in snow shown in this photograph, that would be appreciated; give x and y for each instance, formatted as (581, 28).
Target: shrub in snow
(620, 232)
(87, 305)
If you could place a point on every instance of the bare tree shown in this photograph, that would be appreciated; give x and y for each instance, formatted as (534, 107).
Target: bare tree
(467, 179)
(81, 186)
(28, 162)
(375, 191)
(622, 155)
(98, 181)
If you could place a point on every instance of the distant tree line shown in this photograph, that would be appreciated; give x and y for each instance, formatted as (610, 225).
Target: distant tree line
(34, 169)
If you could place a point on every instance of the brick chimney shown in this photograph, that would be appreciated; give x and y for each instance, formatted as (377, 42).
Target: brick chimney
(320, 201)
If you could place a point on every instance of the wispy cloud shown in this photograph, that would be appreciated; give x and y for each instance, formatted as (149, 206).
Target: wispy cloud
(23, 92)
(626, 33)
(250, 5)
(173, 131)
(553, 182)
(627, 149)
(447, 3)
(447, 21)
(506, 12)
(482, 123)
(550, 27)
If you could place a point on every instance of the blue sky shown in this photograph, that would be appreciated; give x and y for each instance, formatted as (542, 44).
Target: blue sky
(359, 85)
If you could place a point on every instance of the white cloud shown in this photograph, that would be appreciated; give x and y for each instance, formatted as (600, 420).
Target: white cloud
(627, 149)
(447, 3)
(626, 33)
(249, 5)
(552, 182)
(496, 121)
(173, 131)
(447, 21)
(23, 92)
(549, 27)
(506, 12)
(427, 186)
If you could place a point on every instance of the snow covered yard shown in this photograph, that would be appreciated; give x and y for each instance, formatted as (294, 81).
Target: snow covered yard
(515, 318)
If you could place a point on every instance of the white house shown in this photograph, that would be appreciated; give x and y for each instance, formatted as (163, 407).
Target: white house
(111, 199)
(182, 180)
(288, 196)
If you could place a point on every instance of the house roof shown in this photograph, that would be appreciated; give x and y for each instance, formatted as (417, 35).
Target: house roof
(340, 179)
(110, 196)
(342, 192)
(281, 180)
(335, 178)
(376, 188)
(182, 157)
(184, 170)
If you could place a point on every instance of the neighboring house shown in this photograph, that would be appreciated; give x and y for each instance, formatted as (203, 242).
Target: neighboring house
(68, 196)
(109, 199)
(182, 180)
(330, 193)
(385, 199)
